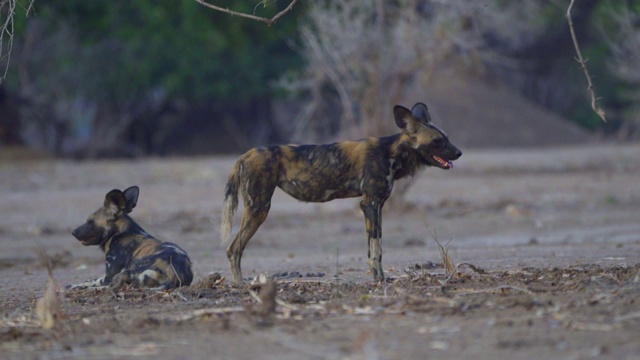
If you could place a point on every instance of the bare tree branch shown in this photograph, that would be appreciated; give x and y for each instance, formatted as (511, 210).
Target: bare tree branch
(250, 16)
(7, 13)
(583, 64)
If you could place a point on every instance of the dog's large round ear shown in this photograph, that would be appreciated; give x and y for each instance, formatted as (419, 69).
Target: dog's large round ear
(131, 195)
(404, 119)
(115, 201)
(421, 113)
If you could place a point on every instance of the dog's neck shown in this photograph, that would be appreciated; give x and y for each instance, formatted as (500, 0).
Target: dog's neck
(404, 158)
(123, 226)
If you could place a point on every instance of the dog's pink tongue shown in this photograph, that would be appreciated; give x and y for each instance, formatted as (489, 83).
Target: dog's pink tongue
(450, 163)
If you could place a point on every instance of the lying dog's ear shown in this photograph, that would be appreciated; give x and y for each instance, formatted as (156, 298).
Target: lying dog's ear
(116, 202)
(405, 119)
(122, 202)
(131, 195)
(421, 113)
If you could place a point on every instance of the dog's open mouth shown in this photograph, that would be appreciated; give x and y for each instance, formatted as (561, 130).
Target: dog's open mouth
(445, 164)
(87, 242)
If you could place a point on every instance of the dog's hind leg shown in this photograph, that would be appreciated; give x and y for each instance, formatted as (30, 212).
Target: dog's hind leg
(372, 209)
(122, 278)
(257, 202)
(251, 221)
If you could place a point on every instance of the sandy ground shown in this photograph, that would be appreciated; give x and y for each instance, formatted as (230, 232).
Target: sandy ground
(553, 236)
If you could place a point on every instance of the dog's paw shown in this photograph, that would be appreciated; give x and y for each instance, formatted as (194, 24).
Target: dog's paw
(97, 283)
(76, 287)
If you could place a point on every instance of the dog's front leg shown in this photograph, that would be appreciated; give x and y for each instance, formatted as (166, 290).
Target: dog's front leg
(372, 209)
(97, 283)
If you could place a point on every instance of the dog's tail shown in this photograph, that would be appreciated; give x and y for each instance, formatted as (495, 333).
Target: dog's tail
(230, 202)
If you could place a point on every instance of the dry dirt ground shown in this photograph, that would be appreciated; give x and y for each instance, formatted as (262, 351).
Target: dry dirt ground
(547, 242)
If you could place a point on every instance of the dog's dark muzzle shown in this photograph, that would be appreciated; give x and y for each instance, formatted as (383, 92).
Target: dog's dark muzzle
(87, 235)
(455, 153)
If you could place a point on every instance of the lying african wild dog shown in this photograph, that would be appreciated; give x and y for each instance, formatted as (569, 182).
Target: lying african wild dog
(132, 255)
(319, 173)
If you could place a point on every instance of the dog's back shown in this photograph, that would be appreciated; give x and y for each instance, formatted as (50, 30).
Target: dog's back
(153, 264)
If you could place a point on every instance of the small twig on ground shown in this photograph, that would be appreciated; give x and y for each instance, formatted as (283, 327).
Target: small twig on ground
(473, 267)
(583, 64)
(335, 289)
(179, 295)
(174, 271)
(286, 305)
(255, 296)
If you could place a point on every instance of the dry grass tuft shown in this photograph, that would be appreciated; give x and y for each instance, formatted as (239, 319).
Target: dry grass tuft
(48, 307)
(267, 298)
(447, 261)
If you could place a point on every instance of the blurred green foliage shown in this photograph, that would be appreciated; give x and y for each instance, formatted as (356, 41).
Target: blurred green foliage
(176, 70)
(616, 25)
(189, 51)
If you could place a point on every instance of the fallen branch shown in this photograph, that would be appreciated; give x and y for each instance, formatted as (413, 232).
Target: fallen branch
(268, 21)
(500, 288)
(196, 314)
(570, 324)
(422, 299)
(21, 321)
(583, 64)
(476, 269)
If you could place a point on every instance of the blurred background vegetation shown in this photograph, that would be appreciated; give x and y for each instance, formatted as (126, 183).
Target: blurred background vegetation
(166, 77)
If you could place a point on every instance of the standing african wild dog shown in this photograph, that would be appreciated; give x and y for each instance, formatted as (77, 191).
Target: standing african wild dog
(132, 255)
(319, 173)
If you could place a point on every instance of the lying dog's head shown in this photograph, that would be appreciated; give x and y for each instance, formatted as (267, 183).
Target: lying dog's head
(430, 143)
(110, 219)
